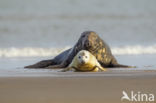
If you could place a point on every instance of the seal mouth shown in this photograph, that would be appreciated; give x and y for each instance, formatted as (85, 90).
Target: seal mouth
(91, 41)
(87, 44)
(82, 62)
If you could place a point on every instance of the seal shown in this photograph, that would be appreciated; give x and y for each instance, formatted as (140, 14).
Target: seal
(89, 41)
(84, 61)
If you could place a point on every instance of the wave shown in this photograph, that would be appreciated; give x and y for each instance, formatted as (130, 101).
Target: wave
(134, 50)
(39, 52)
(30, 52)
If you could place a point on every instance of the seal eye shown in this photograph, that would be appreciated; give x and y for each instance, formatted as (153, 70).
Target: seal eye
(86, 57)
(79, 57)
(83, 36)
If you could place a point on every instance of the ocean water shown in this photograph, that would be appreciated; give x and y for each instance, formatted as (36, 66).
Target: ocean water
(34, 30)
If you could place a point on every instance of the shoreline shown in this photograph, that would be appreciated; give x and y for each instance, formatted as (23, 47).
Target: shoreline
(122, 72)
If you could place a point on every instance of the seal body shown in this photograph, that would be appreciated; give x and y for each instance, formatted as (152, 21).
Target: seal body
(84, 61)
(89, 41)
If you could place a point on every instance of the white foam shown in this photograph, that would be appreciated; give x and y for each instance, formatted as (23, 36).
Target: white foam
(30, 52)
(134, 50)
(39, 52)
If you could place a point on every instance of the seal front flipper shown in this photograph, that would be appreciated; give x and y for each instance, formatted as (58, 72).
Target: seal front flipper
(122, 66)
(64, 64)
(55, 66)
(41, 64)
(55, 61)
(115, 64)
(67, 69)
(102, 69)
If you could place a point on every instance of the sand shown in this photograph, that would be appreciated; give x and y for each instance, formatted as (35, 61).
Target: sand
(104, 88)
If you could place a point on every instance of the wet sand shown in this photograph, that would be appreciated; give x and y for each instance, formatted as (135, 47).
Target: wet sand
(100, 88)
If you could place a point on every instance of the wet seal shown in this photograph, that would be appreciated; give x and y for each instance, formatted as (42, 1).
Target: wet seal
(84, 61)
(89, 41)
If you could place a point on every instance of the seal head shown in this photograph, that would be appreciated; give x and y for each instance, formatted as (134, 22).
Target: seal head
(83, 57)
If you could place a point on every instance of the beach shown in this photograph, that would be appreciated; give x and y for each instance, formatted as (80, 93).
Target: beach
(35, 30)
(18, 84)
(87, 88)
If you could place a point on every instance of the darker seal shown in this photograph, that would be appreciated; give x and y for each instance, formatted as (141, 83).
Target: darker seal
(88, 40)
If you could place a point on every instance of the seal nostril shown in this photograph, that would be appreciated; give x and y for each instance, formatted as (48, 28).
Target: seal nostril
(88, 43)
(82, 62)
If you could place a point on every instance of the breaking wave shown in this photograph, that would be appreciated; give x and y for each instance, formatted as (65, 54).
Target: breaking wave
(134, 50)
(30, 52)
(39, 52)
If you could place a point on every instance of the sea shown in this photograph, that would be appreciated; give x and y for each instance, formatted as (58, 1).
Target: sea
(35, 30)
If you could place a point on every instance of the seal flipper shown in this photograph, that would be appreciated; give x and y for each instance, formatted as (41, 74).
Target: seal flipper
(64, 64)
(55, 66)
(122, 66)
(41, 64)
(56, 61)
(115, 64)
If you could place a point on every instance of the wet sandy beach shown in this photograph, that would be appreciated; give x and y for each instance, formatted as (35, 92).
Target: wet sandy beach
(104, 87)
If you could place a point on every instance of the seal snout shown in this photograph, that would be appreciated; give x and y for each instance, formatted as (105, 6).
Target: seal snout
(82, 62)
(87, 43)
(88, 39)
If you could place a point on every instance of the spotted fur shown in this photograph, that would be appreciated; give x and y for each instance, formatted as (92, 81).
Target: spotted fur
(89, 41)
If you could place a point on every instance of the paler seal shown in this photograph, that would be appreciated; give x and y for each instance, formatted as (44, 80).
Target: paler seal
(84, 61)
